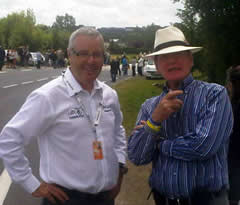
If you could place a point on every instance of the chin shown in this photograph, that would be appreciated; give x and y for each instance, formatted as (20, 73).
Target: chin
(176, 77)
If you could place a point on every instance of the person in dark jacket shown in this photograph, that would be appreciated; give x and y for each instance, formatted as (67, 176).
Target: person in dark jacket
(2, 57)
(114, 69)
(233, 86)
(118, 66)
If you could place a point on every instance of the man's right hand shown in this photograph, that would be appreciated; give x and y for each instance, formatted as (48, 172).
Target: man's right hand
(51, 192)
(168, 105)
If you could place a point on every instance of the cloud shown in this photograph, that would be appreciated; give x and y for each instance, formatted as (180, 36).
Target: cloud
(101, 13)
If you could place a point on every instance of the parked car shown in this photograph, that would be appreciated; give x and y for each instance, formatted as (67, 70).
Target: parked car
(150, 71)
(33, 58)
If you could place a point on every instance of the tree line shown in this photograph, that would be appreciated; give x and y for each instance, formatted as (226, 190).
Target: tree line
(20, 29)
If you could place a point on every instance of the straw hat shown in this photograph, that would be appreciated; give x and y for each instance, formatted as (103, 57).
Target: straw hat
(171, 40)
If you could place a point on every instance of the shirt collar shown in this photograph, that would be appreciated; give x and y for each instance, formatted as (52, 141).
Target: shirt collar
(187, 81)
(74, 87)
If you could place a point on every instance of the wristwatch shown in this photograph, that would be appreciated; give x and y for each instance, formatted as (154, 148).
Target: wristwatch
(123, 168)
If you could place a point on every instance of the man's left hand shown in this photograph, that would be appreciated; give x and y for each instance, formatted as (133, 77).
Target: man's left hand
(115, 190)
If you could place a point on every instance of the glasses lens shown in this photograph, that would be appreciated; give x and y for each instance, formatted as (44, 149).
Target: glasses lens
(85, 54)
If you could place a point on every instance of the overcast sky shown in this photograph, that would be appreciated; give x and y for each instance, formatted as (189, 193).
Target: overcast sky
(99, 13)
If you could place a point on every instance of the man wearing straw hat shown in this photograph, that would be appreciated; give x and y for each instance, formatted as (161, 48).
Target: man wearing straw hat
(184, 131)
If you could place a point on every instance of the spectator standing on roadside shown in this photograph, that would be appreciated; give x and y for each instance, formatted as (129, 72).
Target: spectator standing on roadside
(60, 58)
(233, 86)
(113, 69)
(118, 66)
(13, 58)
(53, 58)
(133, 62)
(184, 132)
(20, 53)
(2, 57)
(78, 122)
(140, 65)
(26, 55)
(39, 60)
(124, 65)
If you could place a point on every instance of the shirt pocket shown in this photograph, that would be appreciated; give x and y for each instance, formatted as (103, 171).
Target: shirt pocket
(108, 118)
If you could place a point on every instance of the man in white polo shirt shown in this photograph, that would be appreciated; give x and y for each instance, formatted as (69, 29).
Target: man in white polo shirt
(78, 123)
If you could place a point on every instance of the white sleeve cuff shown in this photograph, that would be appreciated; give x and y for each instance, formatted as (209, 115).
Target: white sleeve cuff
(30, 184)
(121, 158)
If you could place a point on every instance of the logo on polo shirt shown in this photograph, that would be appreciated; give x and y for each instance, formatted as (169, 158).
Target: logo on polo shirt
(75, 113)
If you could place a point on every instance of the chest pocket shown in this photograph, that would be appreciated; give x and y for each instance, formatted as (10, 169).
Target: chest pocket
(108, 117)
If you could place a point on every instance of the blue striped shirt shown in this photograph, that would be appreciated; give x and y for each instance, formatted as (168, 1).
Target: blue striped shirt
(193, 154)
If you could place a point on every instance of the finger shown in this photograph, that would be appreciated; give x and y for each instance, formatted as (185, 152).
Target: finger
(58, 193)
(177, 102)
(51, 199)
(138, 127)
(173, 94)
(143, 122)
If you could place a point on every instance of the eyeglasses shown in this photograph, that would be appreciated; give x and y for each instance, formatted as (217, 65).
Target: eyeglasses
(85, 55)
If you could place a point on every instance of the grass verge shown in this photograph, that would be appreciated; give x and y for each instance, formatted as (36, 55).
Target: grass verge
(132, 93)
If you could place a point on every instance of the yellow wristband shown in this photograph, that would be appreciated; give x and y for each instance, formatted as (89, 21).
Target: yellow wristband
(153, 127)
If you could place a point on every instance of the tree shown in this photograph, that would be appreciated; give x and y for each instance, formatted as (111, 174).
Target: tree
(17, 28)
(66, 23)
(217, 30)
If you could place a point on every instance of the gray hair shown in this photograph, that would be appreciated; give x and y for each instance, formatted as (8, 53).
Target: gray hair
(85, 31)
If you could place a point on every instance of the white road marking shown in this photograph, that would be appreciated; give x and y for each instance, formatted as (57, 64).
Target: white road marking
(55, 76)
(27, 82)
(5, 182)
(9, 86)
(3, 71)
(26, 70)
(42, 79)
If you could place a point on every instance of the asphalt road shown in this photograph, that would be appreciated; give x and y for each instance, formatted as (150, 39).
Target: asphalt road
(15, 86)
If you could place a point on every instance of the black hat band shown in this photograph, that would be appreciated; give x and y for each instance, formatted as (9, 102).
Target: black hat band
(170, 44)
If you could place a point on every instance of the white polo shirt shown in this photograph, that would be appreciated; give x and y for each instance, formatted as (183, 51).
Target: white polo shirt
(65, 135)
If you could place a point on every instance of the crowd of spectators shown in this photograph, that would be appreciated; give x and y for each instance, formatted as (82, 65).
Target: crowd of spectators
(22, 57)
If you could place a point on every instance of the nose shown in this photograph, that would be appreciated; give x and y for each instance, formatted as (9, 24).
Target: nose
(90, 58)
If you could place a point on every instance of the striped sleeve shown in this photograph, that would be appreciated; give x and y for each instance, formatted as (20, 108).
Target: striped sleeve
(213, 128)
(141, 144)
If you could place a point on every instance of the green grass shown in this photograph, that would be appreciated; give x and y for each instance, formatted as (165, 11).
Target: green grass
(132, 93)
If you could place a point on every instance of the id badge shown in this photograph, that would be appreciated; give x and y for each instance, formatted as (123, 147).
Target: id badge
(97, 150)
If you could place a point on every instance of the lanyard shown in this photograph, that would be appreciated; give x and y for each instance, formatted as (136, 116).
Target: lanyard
(98, 115)
(99, 109)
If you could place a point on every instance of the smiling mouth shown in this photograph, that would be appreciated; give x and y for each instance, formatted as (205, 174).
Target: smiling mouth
(92, 69)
